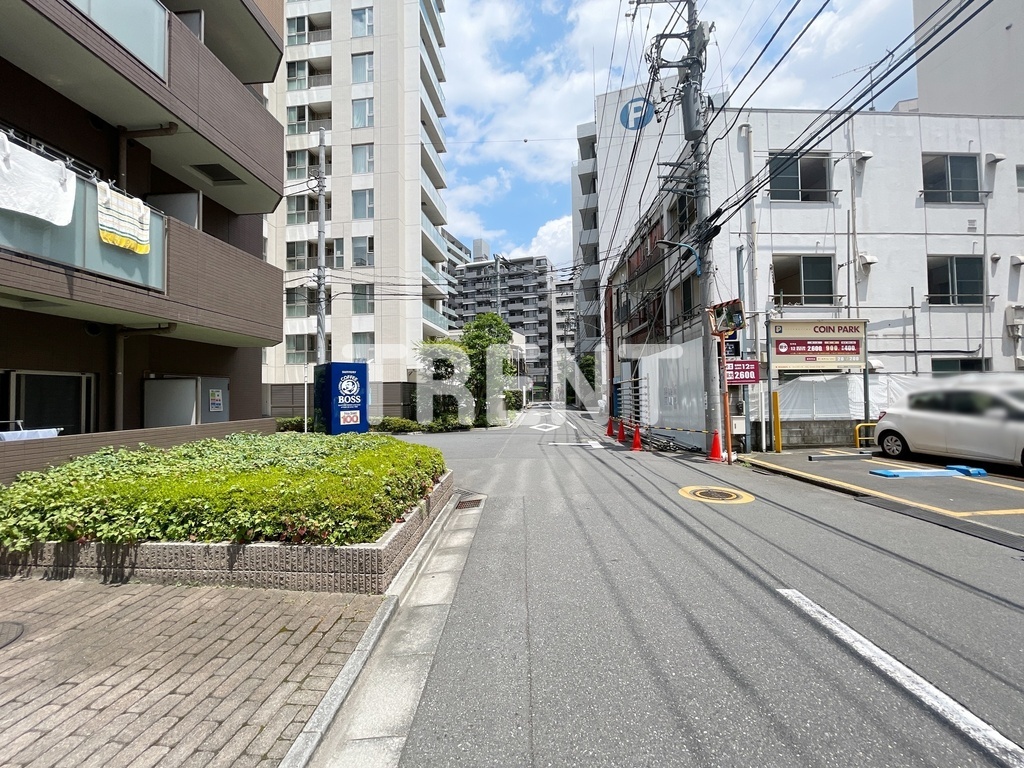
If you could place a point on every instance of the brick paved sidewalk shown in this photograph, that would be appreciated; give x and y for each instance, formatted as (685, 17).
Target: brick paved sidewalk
(140, 675)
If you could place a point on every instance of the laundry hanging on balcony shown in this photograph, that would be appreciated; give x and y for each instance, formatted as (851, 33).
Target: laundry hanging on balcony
(34, 185)
(123, 220)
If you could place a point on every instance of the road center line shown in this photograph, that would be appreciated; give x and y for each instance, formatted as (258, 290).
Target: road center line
(965, 721)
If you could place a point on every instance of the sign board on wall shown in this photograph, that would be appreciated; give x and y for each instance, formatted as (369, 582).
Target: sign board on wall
(739, 372)
(342, 398)
(818, 344)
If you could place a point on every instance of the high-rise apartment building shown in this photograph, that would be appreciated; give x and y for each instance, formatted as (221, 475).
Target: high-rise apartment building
(138, 159)
(520, 290)
(370, 75)
(586, 265)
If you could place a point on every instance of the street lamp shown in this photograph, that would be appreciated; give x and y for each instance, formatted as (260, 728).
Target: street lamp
(690, 248)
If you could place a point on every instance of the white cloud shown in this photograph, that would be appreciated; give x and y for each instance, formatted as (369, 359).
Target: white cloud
(553, 239)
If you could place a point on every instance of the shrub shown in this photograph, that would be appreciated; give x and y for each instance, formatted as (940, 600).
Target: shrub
(310, 489)
(514, 399)
(397, 424)
(446, 424)
(293, 424)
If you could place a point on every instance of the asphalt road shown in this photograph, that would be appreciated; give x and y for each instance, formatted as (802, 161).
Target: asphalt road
(602, 618)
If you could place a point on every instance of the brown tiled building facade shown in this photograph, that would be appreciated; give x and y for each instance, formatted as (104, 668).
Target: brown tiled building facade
(162, 100)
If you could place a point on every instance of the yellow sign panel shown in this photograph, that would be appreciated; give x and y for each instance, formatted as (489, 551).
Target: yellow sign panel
(818, 344)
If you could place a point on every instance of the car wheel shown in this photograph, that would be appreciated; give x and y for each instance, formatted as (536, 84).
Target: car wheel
(893, 444)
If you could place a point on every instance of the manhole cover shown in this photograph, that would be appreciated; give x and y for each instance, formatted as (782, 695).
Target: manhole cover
(715, 494)
(9, 632)
(469, 503)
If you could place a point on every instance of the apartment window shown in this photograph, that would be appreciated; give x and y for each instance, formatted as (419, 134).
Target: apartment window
(362, 347)
(955, 280)
(297, 207)
(336, 259)
(297, 31)
(301, 349)
(1020, 178)
(295, 302)
(803, 279)
(362, 158)
(297, 120)
(297, 165)
(362, 113)
(799, 177)
(362, 68)
(295, 255)
(362, 204)
(362, 251)
(362, 22)
(297, 72)
(362, 299)
(950, 178)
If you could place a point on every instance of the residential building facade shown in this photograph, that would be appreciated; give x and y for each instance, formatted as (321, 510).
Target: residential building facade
(585, 240)
(139, 158)
(370, 76)
(520, 290)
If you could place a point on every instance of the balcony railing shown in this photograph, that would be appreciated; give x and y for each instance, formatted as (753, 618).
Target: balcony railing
(433, 233)
(319, 35)
(316, 125)
(433, 275)
(140, 26)
(78, 244)
(319, 81)
(434, 317)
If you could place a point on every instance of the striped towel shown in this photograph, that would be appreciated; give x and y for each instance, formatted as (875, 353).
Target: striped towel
(123, 220)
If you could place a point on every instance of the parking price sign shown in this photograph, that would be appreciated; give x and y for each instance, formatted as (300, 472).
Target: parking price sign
(818, 344)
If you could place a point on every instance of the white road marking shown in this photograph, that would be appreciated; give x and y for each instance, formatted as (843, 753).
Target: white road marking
(590, 444)
(961, 718)
(544, 427)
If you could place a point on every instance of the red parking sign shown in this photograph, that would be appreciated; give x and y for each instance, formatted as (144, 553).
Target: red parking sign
(739, 372)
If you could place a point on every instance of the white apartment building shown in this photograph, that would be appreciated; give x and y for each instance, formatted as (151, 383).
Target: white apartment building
(371, 76)
(585, 259)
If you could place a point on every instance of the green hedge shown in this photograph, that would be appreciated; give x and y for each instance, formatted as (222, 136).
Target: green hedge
(397, 424)
(310, 489)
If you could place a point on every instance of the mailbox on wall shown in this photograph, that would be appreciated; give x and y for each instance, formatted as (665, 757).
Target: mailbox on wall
(342, 398)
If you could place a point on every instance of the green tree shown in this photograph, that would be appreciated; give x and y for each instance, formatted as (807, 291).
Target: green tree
(444, 358)
(478, 335)
(586, 365)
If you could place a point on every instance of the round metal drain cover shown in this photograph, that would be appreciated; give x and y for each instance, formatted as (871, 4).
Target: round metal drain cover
(715, 494)
(9, 632)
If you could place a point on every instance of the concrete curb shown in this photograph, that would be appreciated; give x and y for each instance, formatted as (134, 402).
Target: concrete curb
(308, 740)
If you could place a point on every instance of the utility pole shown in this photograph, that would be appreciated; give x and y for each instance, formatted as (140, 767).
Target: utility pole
(321, 258)
(690, 73)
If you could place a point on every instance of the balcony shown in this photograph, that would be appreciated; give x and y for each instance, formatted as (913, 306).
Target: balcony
(430, 121)
(434, 248)
(78, 244)
(435, 286)
(431, 83)
(588, 237)
(433, 205)
(434, 47)
(586, 171)
(432, 12)
(220, 121)
(430, 160)
(588, 203)
(434, 318)
(140, 27)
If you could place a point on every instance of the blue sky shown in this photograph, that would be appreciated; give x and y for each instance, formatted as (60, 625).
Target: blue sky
(522, 75)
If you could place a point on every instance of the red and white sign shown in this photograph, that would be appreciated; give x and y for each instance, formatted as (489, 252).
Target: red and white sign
(738, 372)
(818, 344)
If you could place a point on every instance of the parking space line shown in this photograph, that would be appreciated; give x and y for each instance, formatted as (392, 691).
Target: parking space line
(860, 489)
(993, 482)
(899, 464)
(993, 512)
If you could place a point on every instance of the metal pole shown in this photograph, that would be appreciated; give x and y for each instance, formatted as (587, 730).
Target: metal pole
(913, 321)
(768, 352)
(867, 384)
(743, 347)
(321, 259)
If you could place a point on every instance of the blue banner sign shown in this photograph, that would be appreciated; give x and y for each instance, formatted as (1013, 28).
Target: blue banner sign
(342, 393)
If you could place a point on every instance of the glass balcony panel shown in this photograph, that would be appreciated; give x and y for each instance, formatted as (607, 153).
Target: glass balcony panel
(140, 26)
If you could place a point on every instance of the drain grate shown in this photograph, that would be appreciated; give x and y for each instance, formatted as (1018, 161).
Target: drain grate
(469, 504)
(9, 632)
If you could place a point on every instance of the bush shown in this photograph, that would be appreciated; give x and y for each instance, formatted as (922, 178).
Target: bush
(397, 424)
(446, 424)
(514, 399)
(294, 424)
(310, 489)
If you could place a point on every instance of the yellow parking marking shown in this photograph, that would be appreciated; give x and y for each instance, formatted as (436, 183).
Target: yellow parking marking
(900, 464)
(997, 512)
(992, 482)
(860, 489)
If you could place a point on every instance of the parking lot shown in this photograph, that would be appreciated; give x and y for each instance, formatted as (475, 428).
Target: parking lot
(989, 506)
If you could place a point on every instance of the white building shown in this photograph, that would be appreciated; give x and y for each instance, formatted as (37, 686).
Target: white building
(371, 76)
(585, 223)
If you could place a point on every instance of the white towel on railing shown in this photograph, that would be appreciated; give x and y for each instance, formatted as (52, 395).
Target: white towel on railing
(123, 220)
(35, 186)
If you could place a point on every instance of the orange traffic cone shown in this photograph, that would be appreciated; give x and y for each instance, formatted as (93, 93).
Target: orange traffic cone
(637, 445)
(622, 431)
(611, 427)
(716, 448)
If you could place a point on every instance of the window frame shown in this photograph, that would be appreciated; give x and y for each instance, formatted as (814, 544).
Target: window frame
(366, 24)
(366, 161)
(779, 165)
(293, 36)
(364, 111)
(955, 283)
(365, 68)
(362, 299)
(362, 256)
(948, 194)
(293, 80)
(827, 300)
(364, 210)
